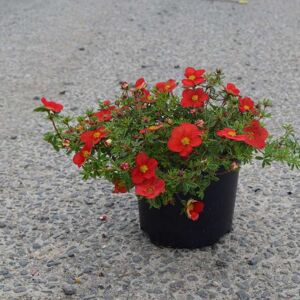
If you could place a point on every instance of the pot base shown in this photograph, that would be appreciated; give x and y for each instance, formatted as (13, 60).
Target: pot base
(162, 242)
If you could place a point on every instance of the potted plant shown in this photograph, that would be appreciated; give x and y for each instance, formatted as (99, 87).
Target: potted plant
(180, 153)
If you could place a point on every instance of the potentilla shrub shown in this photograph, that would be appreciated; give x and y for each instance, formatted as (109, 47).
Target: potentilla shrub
(160, 144)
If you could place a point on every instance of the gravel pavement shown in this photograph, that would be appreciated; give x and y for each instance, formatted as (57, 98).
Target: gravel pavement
(53, 244)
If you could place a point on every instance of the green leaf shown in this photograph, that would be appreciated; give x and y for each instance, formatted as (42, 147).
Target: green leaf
(41, 109)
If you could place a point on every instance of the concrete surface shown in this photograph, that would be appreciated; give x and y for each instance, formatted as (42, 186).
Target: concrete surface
(52, 243)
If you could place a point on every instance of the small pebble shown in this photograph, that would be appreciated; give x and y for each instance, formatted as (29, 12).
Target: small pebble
(69, 289)
(243, 295)
(2, 224)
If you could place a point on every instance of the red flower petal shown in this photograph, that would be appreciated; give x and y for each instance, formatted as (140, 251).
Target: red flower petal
(140, 84)
(187, 83)
(141, 158)
(166, 87)
(198, 206)
(150, 188)
(144, 169)
(194, 216)
(193, 77)
(232, 89)
(199, 73)
(51, 105)
(93, 137)
(231, 134)
(183, 138)
(194, 208)
(255, 135)
(194, 98)
(80, 157)
(189, 71)
(246, 104)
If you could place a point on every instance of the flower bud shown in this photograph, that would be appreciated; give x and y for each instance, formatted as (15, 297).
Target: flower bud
(124, 85)
(106, 102)
(108, 142)
(169, 121)
(234, 166)
(66, 143)
(79, 128)
(199, 123)
(124, 166)
(180, 173)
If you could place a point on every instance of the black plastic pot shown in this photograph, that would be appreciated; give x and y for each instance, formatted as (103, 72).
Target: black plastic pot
(167, 227)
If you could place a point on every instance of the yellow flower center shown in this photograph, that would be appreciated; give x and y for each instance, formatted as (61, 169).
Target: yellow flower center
(185, 141)
(143, 168)
(150, 190)
(167, 87)
(246, 107)
(96, 135)
(86, 154)
(232, 133)
(192, 77)
(195, 97)
(121, 184)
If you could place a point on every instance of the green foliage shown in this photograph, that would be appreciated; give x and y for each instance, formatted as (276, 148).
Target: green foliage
(284, 149)
(189, 176)
(53, 139)
(40, 109)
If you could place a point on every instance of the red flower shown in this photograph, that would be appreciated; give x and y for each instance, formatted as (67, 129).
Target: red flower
(145, 168)
(93, 137)
(140, 84)
(231, 134)
(145, 96)
(246, 104)
(232, 89)
(150, 188)
(166, 87)
(255, 135)
(51, 105)
(104, 114)
(80, 157)
(120, 187)
(194, 98)
(193, 77)
(184, 138)
(193, 209)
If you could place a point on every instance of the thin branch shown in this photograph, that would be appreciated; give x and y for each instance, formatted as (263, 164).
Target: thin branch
(54, 126)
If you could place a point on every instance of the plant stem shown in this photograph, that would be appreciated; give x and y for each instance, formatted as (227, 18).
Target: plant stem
(54, 126)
